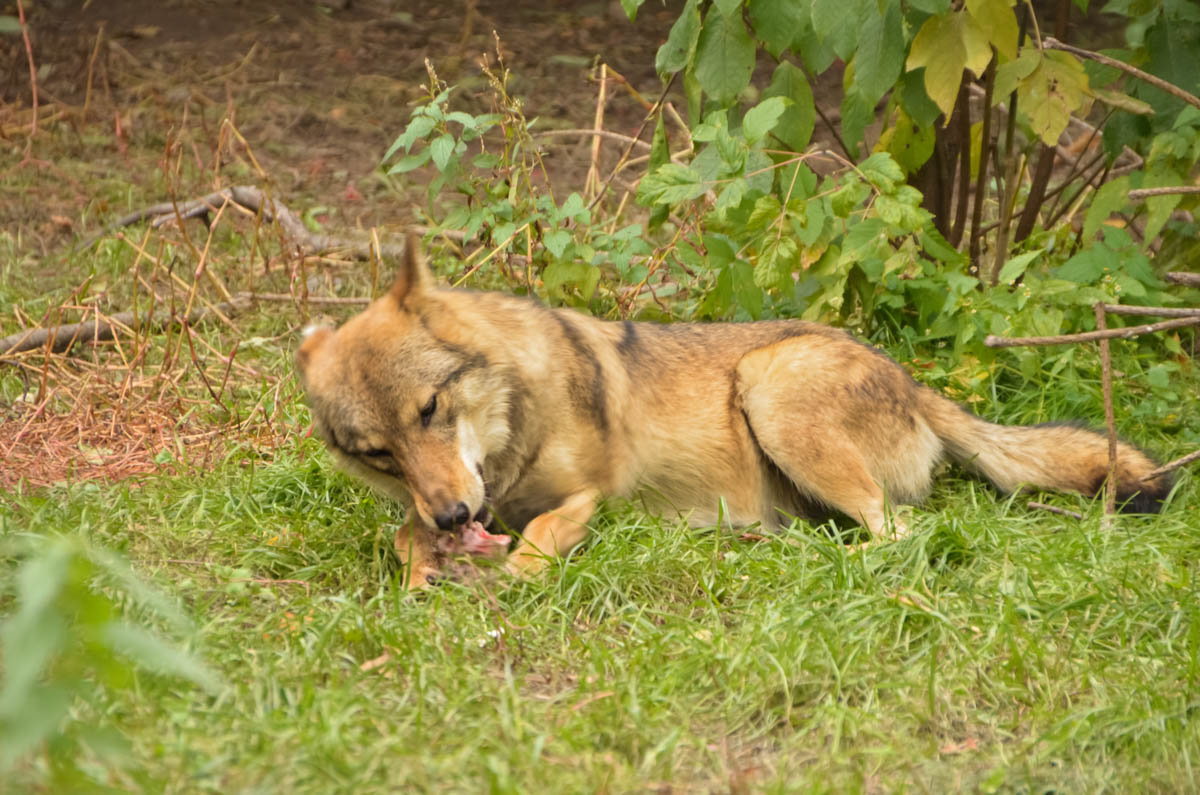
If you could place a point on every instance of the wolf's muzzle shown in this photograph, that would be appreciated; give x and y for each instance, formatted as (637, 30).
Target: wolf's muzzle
(446, 520)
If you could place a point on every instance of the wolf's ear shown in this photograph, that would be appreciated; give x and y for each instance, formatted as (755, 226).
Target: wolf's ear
(414, 276)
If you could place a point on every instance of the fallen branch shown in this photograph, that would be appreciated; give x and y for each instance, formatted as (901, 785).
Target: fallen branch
(1186, 279)
(992, 341)
(1151, 311)
(1145, 193)
(57, 339)
(255, 201)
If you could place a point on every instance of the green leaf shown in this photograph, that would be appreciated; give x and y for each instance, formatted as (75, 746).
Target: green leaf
(680, 47)
(882, 171)
(838, 22)
(1012, 74)
(857, 113)
(660, 154)
(880, 55)
(1159, 208)
(777, 23)
(670, 184)
(442, 149)
(724, 56)
(909, 143)
(556, 242)
(775, 263)
(410, 162)
(42, 711)
(1086, 267)
(153, 652)
(631, 8)
(1111, 197)
(418, 128)
(795, 127)
(728, 7)
(766, 210)
(1015, 267)
(762, 118)
(915, 102)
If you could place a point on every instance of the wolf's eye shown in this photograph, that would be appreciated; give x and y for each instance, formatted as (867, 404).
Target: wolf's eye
(427, 411)
(377, 453)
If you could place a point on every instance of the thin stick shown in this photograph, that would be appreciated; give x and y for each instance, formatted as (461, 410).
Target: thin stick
(1051, 43)
(87, 95)
(1173, 465)
(1145, 193)
(992, 341)
(1041, 506)
(332, 300)
(646, 120)
(1110, 422)
(1150, 311)
(591, 183)
(33, 122)
(578, 133)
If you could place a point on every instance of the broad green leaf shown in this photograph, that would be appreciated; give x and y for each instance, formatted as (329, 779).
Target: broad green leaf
(857, 113)
(677, 52)
(728, 7)
(731, 195)
(418, 128)
(766, 210)
(1015, 267)
(795, 127)
(777, 23)
(1111, 197)
(42, 711)
(762, 118)
(1085, 267)
(776, 261)
(556, 242)
(1159, 208)
(631, 8)
(998, 21)
(931, 6)
(838, 22)
(749, 296)
(880, 55)
(909, 143)
(670, 184)
(442, 149)
(724, 56)
(760, 171)
(881, 171)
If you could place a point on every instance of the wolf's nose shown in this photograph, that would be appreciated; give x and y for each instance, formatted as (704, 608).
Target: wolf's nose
(459, 515)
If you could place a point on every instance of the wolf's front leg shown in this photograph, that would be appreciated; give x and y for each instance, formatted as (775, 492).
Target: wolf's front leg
(415, 546)
(553, 534)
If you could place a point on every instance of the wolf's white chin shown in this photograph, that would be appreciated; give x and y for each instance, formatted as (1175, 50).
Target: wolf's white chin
(471, 453)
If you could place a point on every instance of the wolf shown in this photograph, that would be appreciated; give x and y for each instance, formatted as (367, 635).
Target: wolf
(478, 407)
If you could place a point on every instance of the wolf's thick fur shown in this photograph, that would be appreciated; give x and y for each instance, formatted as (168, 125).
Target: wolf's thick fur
(460, 402)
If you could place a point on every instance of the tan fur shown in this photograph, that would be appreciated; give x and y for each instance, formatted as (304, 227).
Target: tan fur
(542, 413)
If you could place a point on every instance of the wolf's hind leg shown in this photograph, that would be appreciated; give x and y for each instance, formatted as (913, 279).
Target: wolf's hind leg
(553, 534)
(794, 396)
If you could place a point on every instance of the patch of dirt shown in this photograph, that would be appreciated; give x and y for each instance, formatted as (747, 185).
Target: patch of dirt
(318, 92)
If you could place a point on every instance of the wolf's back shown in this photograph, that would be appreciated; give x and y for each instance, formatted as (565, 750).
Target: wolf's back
(1060, 457)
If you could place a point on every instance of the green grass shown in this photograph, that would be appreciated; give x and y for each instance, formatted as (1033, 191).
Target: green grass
(997, 648)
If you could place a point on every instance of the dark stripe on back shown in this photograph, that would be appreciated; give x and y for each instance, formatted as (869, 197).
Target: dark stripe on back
(589, 394)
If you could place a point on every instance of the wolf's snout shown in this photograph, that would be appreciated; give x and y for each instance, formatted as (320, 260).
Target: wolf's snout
(458, 515)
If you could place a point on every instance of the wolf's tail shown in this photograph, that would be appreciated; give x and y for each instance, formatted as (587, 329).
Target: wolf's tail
(1060, 457)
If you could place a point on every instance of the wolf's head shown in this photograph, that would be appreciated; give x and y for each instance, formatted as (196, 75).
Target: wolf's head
(402, 398)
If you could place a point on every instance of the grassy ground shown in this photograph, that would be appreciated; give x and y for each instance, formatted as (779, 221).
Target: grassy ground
(996, 648)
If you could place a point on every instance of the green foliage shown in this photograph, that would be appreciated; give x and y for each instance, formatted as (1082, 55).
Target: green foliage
(74, 643)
